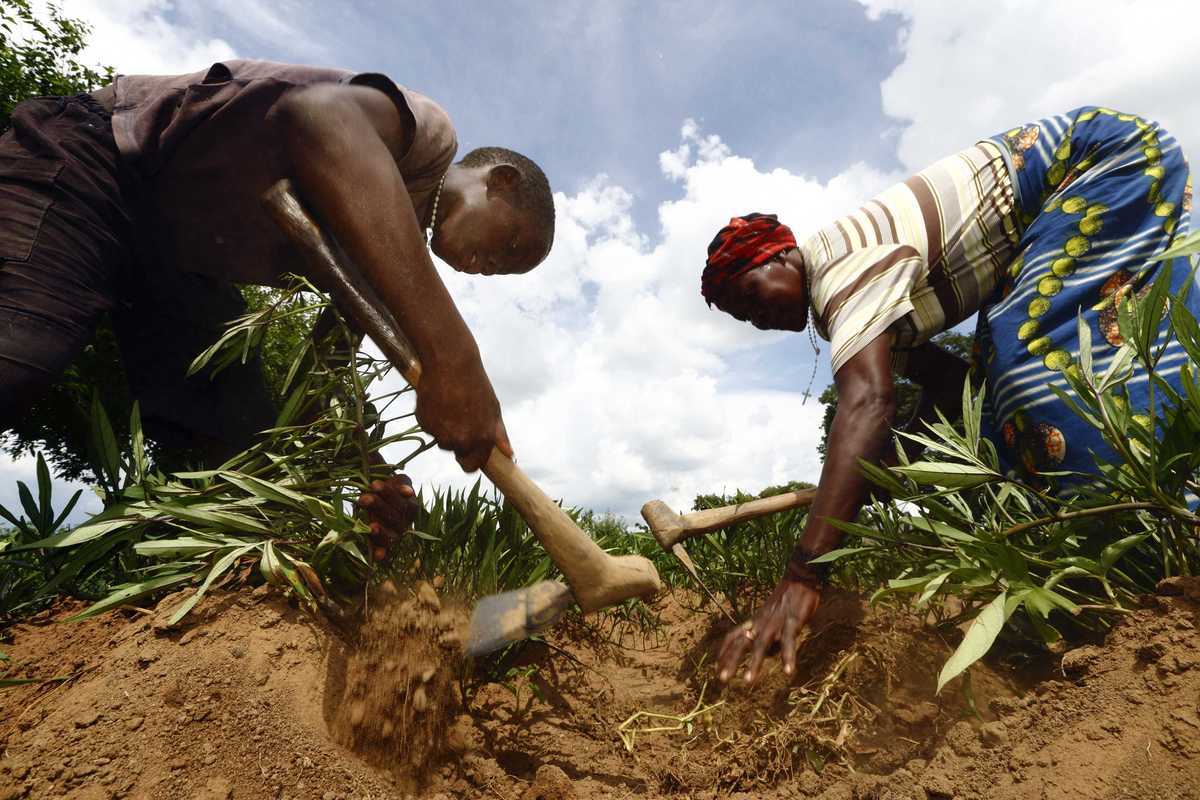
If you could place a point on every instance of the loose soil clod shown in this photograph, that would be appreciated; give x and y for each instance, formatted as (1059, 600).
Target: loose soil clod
(401, 681)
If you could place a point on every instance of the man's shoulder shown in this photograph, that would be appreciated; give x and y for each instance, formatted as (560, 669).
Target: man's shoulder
(237, 69)
(435, 141)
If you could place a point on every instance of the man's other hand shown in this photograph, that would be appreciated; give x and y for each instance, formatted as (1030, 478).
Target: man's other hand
(390, 507)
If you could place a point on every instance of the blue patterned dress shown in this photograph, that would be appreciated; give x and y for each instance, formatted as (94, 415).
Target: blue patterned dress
(1098, 194)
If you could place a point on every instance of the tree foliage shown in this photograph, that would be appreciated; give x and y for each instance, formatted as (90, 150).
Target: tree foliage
(41, 56)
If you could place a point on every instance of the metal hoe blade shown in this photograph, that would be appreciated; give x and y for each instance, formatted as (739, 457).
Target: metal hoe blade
(682, 556)
(500, 619)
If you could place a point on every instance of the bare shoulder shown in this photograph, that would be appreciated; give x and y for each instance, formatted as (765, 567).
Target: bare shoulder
(332, 103)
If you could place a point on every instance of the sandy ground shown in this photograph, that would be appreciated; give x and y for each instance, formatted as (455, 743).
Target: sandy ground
(251, 698)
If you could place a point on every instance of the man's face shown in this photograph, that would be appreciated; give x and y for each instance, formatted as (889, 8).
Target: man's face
(486, 234)
(770, 297)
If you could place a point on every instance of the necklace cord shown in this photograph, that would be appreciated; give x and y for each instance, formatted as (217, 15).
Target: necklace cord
(433, 216)
(812, 333)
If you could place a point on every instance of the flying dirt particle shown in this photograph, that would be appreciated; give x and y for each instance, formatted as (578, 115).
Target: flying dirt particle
(427, 596)
(401, 682)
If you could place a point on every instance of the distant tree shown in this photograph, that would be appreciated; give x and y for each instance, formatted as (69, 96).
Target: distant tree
(908, 394)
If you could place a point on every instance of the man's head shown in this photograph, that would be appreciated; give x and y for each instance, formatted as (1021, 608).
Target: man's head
(495, 215)
(755, 273)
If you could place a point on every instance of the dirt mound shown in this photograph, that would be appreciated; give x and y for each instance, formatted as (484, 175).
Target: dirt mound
(651, 720)
(250, 698)
(1119, 721)
(399, 686)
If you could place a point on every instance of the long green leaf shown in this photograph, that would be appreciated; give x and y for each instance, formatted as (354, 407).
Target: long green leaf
(959, 476)
(1084, 332)
(834, 555)
(219, 568)
(138, 444)
(1118, 369)
(931, 588)
(93, 529)
(1187, 330)
(978, 640)
(104, 442)
(18, 523)
(224, 520)
(67, 510)
(1187, 246)
(131, 592)
(31, 509)
(1111, 554)
(940, 529)
(45, 487)
(183, 547)
(266, 489)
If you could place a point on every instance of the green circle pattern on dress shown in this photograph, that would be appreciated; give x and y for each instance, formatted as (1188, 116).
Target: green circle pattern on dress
(1059, 176)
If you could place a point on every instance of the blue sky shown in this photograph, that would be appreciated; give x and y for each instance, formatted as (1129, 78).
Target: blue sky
(656, 122)
(586, 87)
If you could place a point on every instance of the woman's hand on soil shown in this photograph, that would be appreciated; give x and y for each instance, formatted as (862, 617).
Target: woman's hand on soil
(390, 506)
(781, 619)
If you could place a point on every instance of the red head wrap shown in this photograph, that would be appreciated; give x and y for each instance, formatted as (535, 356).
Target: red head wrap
(745, 243)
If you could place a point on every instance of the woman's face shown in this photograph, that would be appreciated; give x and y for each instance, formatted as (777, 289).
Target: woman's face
(773, 296)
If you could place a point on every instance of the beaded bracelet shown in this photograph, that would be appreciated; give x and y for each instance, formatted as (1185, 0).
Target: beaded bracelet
(801, 570)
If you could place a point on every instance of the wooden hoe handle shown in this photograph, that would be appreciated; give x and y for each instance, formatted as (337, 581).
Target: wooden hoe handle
(597, 579)
(670, 528)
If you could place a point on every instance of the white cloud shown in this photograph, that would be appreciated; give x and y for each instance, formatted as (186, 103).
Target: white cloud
(972, 69)
(25, 469)
(609, 365)
(138, 37)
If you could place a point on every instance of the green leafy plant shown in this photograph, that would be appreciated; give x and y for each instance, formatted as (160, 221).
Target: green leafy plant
(516, 680)
(1012, 551)
(30, 578)
(285, 505)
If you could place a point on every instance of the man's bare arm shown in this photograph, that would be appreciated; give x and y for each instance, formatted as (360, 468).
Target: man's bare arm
(342, 142)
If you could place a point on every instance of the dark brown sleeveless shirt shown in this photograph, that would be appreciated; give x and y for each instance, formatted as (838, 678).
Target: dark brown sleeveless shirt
(202, 151)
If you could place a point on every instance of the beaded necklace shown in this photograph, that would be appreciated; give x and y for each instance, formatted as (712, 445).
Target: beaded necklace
(812, 333)
(433, 217)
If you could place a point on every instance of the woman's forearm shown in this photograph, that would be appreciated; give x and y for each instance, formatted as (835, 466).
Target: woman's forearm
(861, 430)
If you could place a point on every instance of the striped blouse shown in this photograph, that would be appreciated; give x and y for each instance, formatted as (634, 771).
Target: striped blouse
(919, 258)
